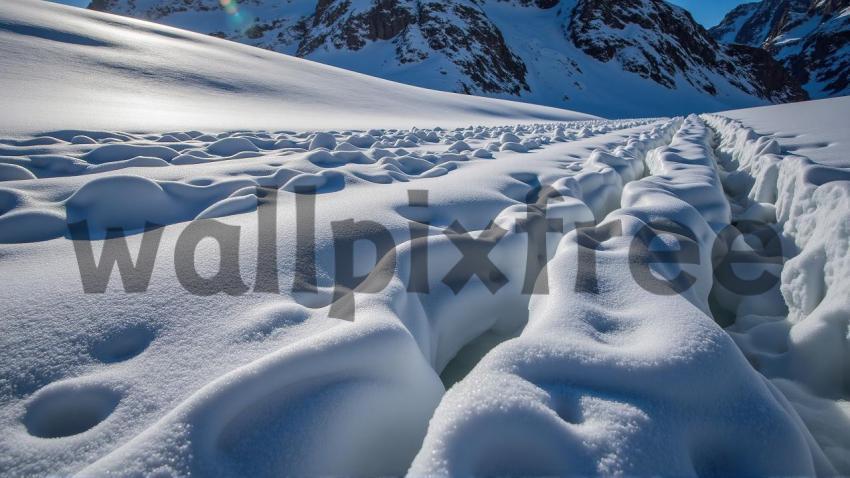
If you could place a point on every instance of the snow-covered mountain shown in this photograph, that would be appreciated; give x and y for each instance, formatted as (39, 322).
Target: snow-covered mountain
(571, 53)
(810, 37)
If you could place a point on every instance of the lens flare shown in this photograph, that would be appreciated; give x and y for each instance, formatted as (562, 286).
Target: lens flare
(237, 19)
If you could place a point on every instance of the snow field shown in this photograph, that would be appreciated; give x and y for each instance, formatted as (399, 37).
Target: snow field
(565, 374)
(489, 364)
(428, 329)
(151, 380)
(27, 217)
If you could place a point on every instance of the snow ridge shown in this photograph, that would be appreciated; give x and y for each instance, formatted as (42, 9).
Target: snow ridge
(574, 381)
(583, 389)
(804, 348)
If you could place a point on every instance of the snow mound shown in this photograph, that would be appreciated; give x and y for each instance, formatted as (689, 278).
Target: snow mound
(250, 404)
(13, 172)
(112, 201)
(231, 146)
(804, 345)
(585, 388)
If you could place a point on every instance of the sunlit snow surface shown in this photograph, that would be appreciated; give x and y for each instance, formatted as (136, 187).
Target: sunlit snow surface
(609, 379)
(67, 68)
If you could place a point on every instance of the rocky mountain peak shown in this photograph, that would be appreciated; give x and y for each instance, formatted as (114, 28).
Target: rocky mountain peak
(809, 37)
(661, 42)
(545, 51)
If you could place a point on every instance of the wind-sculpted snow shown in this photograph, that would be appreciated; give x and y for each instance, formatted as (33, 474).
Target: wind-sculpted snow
(543, 245)
(586, 388)
(423, 332)
(795, 333)
(106, 193)
(540, 260)
(156, 374)
(358, 297)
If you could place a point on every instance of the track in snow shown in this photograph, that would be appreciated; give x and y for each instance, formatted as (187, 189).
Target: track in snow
(795, 332)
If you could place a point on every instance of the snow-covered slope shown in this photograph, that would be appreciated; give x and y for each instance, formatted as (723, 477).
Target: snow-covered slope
(818, 130)
(580, 54)
(810, 37)
(67, 68)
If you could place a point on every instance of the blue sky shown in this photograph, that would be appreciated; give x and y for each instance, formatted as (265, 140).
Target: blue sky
(76, 3)
(707, 12)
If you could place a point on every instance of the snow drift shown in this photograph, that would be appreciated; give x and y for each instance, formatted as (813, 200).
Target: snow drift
(523, 364)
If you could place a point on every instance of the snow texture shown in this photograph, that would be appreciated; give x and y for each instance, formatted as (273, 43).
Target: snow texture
(581, 374)
(802, 345)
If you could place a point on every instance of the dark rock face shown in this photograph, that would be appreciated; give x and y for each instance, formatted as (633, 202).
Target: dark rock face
(461, 41)
(753, 23)
(334, 22)
(830, 7)
(669, 43)
(160, 10)
(462, 31)
(731, 30)
(809, 37)
(457, 29)
(542, 4)
(770, 77)
(822, 62)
